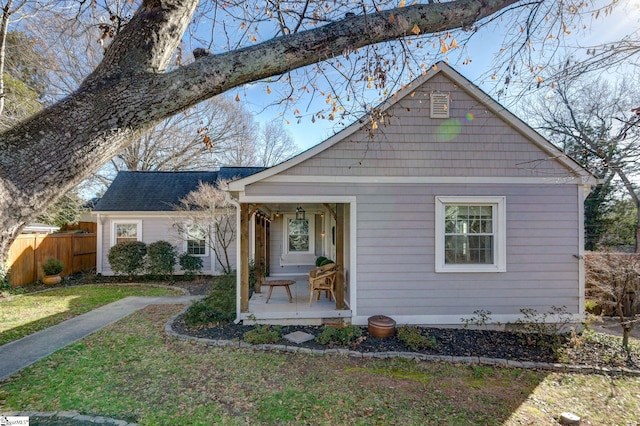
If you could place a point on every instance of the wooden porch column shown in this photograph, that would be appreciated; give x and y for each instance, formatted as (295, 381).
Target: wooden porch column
(244, 257)
(259, 254)
(340, 255)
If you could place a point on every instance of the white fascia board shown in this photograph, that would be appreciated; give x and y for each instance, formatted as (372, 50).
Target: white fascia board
(394, 180)
(119, 214)
(294, 199)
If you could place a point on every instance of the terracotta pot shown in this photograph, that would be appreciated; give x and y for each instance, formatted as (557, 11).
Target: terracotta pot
(52, 279)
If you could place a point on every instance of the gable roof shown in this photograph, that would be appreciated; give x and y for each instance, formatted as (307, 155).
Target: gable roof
(468, 87)
(144, 191)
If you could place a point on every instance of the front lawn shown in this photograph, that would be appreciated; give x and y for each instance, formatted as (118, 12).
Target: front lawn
(25, 314)
(133, 371)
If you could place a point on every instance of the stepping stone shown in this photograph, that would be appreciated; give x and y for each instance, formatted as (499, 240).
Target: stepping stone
(299, 337)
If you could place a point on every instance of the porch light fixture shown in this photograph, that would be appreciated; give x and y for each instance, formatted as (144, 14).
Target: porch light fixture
(300, 213)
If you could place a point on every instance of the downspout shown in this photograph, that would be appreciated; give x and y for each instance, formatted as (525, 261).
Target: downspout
(584, 189)
(99, 236)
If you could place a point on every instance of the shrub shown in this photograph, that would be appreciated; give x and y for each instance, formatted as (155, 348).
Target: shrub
(535, 329)
(190, 264)
(127, 258)
(480, 318)
(592, 307)
(161, 258)
(349, 335)
(4, 278)
(217, 307)
(52, 266)
(414, 339)
(263, 334)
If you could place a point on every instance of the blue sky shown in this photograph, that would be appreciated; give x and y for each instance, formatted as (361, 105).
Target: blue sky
(482, 49)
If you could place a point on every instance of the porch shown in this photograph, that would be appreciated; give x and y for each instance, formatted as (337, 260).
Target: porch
(284, 240)
(280, 311)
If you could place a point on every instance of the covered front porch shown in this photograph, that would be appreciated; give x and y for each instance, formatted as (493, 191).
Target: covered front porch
(280, 311)
(277, 244)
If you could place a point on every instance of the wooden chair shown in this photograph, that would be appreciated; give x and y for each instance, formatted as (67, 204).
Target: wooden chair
(322, 279)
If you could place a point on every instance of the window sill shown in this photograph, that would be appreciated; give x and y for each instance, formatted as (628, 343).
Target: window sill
(455, 269)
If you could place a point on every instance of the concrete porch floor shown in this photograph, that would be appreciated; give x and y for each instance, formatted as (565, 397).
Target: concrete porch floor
(280, 311)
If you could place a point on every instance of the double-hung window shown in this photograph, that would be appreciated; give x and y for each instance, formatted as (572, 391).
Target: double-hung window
(470, 234)
(196, 241)
(125, 231)
(299, 236)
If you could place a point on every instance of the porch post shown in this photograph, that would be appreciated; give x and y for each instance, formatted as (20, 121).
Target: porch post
(340, 255)
(244, 257)
(259, 252)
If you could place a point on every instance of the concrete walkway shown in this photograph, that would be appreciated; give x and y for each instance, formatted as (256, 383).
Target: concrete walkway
(21, 353)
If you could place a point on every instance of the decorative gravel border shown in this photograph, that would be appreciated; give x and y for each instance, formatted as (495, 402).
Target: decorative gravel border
(405, 355)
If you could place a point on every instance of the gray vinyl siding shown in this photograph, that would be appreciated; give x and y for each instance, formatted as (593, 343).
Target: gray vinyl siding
(154, 229)
(394, 239)
(541, 267)
(396, 242)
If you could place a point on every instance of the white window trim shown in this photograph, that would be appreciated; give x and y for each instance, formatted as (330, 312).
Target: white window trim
(116, 222)
(185, 246)
(312, 235)
(500, 232)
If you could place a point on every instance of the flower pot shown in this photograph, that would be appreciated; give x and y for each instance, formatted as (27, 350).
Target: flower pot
(381, 326)
(51, 279)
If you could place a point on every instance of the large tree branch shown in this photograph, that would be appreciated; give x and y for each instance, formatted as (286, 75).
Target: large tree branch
(146, 43)
(218, 73)
(127, 94)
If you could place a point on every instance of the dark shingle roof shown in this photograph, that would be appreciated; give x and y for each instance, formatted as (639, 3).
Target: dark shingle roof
(232, 173)
(160, 191)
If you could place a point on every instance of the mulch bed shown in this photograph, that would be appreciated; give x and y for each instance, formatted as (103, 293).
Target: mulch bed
(457, 342)
(451, 342)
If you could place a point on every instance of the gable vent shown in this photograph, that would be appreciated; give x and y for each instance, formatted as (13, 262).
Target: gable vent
(439, 105)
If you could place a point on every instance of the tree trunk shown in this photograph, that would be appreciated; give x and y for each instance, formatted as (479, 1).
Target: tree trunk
(129, 92)
(637, 244)
(4, 26)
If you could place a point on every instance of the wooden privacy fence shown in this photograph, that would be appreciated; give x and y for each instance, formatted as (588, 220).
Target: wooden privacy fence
(28, 251)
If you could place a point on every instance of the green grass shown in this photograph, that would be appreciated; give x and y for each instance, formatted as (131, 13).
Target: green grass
(26, 314)
(131, 370)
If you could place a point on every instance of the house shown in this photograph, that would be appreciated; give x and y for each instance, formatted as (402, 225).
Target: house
(141, 206)
(441, 205)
